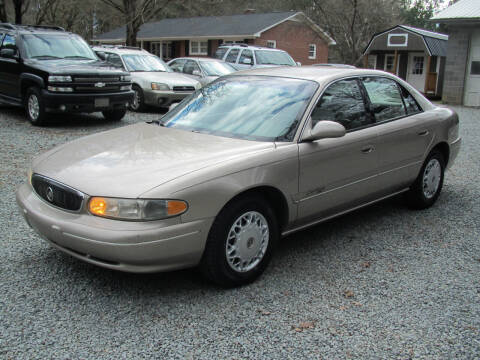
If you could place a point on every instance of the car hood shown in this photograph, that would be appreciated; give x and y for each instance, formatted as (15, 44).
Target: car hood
(128, 161)
(169, 78)
(74, 67)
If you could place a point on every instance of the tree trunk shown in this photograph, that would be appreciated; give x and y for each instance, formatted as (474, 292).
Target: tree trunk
(3, 13)
(17, 5)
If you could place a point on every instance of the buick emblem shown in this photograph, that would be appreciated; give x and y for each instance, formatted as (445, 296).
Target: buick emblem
(100, 85)
(49, 194)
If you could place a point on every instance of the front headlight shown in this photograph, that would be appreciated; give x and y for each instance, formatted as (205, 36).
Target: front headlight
(160, 86)
(136, 209)
(56, 78)
(125, 78)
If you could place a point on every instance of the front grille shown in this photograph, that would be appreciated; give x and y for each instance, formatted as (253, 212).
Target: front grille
(103, 79)
(57, 194)
(184, 88)
(97, 89)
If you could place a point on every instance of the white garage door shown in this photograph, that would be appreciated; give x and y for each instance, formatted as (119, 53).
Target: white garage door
(472, 83)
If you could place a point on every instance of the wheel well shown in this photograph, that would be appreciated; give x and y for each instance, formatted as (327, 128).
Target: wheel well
(444, 149)
(274, 197)
(25, 85)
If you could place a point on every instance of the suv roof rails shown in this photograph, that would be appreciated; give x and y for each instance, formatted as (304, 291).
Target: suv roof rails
(236, 44)
(17, 27)
(119, 47)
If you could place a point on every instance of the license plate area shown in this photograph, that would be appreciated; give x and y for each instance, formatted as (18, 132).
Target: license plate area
(102, 102)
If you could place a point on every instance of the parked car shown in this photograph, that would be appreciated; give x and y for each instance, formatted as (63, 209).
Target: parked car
(250, 157)
(204, 70)
(47, 69)
(243, 56)
(154, 83)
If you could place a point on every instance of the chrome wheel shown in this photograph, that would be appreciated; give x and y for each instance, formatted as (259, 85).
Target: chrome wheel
(247, 241)
(431, 178)
(33, 107)
(135, 105)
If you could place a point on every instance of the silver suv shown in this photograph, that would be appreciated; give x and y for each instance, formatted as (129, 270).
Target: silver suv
(153, 82)
(244, 56)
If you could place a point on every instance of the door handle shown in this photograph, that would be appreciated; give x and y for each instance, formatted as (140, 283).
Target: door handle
(368, 149)
(423, 133)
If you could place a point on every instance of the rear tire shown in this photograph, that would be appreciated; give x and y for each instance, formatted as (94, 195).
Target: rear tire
(240, 243)
(35, 107)
(138, 102)
(428, 185)
(114, 115)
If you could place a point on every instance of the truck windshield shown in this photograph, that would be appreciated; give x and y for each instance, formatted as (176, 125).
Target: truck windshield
(57, 46)
(268, 57)
(260, 108)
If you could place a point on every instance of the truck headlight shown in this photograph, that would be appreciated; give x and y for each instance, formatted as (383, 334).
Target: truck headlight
(136, 209)
(160, 86)
(57, 78)
(59, 89)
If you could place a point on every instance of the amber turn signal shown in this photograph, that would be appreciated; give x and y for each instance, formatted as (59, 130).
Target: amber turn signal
(175, 207)
(97, 206)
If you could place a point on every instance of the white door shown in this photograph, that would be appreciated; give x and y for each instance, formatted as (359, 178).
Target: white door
(416, 71)
(472, 81)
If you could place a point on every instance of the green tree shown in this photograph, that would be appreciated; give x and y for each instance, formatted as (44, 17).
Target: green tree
(418, 12)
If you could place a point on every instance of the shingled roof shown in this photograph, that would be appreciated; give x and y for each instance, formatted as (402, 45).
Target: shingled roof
(240, 26)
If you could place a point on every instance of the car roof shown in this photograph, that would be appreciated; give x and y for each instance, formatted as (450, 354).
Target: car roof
(30, 29)
(198, 59)
(121, 50)
(249, 47)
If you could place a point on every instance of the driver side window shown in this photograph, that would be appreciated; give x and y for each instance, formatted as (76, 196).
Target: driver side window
(342, 102)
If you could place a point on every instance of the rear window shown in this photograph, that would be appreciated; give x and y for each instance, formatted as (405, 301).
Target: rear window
(220, 53)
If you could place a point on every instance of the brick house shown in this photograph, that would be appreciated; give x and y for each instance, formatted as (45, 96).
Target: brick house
(462, 70)
(415, 55)
(291, 31)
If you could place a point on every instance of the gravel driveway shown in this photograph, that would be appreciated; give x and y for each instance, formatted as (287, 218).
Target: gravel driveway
(383, 282)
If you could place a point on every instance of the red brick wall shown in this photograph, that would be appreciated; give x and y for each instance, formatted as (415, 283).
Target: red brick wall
(294, 37)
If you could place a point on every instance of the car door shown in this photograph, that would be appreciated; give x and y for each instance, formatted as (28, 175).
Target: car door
(404, 132)
(339, 173)
(10, 69)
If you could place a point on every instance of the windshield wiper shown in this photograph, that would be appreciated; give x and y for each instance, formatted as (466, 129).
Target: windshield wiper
(46, 57)
(77, 57)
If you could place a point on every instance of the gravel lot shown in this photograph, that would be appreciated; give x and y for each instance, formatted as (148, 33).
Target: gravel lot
(383, 282)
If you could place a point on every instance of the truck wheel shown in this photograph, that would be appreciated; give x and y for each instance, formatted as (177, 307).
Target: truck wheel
(114, 115)
(34, 107)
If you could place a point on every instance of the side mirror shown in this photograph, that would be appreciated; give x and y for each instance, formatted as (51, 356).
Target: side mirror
(172, 106)
(101, 55)
(8, 53)
(247, 61)
(299, 63)
(196, 73)
(324, 129)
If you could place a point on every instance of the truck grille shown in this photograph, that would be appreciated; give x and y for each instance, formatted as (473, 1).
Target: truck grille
(104, 79)
(184, 88)
(57, 194)
(98, 84)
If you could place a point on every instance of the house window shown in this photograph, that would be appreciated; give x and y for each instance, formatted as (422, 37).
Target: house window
(198, 47)
(271, 44)
(312, 51)
(389, 61)
(417, 68)
(475, 68)
(372, 62)
(397, 40)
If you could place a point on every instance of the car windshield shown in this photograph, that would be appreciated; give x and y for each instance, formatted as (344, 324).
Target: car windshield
(216, 68)
(260, 108)
(142, 62)
(268, 57)
(57, 46)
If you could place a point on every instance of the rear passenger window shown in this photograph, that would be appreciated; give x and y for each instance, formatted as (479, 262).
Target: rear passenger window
(220, 53)
(246, 54)
(385, 98)
(410, 102)
(232, 56)
(342, 102)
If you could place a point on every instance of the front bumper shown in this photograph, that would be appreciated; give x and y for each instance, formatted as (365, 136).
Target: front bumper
(163, 98)
(85, 102)
(139, 247)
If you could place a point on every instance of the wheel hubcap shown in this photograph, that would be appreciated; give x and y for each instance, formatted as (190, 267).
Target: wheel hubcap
(136, 100)
(33, 107)
(431, 178)
(247, 241)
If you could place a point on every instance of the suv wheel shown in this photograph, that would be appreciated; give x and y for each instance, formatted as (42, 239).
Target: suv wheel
(137, 103)
(114, 115)
(34, 106)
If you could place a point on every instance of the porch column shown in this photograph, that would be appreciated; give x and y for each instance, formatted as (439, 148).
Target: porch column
(427, 72)
(365, 61)
(395, 63)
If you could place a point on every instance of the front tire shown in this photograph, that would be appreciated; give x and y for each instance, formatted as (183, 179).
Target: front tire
(240, 243)
(138, 102)
(428, 185)
(114, 115)
(35, 107)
